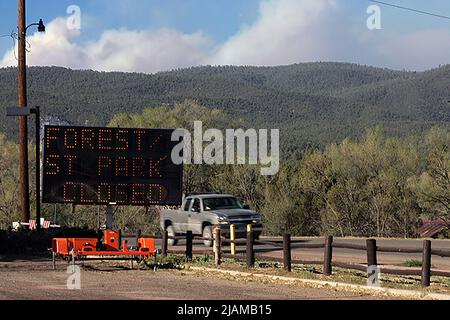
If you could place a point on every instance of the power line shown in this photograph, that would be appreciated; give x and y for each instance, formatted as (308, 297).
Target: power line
(14, 36)
(411, 9)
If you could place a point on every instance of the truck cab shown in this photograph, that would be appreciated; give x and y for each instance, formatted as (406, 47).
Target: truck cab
(200, 213)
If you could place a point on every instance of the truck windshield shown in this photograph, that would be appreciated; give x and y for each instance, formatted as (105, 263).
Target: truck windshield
(221, 203)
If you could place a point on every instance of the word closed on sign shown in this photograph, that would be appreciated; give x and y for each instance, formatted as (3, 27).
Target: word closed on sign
(86, 165)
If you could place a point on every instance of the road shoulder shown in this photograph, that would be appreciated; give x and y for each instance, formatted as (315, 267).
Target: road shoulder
(376, 291)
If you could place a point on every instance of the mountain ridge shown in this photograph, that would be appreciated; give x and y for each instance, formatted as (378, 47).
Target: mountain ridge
(313, 103)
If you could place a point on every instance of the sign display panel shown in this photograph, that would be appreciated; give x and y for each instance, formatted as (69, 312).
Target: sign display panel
(87, 165)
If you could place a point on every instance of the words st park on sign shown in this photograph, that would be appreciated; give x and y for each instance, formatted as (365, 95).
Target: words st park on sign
(87, 165)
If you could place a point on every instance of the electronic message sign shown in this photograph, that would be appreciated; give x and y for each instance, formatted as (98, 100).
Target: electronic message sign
(87, 165)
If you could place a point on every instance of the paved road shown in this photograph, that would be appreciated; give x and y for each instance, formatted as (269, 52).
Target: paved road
(349, 255)
(37, 280)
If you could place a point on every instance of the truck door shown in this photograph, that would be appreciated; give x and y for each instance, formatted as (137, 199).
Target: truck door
(181, 221)
(195, 217)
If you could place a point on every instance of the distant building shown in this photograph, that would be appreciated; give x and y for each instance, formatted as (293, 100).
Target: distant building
(434, 229)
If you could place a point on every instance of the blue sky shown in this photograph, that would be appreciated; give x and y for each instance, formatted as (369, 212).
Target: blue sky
(217, 32)
(219, 18)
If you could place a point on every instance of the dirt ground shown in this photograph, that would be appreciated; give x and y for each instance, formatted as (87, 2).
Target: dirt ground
(35, 279)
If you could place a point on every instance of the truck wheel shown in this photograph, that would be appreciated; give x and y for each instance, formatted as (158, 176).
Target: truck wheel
(207, 233)
(171, 233)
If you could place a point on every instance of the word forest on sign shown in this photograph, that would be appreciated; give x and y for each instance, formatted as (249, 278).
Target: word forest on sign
(86, 165)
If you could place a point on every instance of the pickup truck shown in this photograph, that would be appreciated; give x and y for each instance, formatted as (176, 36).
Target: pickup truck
(201, 213)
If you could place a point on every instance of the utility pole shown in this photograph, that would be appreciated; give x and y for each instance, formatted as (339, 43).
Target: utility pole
(23, 126)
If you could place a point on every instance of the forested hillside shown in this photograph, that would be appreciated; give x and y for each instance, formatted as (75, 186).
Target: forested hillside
(313, 104)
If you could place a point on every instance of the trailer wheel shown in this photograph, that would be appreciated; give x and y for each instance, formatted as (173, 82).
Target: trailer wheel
(171, 233)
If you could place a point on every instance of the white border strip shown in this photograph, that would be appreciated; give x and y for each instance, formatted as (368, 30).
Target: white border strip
(341, 285)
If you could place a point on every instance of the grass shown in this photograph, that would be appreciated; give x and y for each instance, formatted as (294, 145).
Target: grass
(411, 263)
(173, 261)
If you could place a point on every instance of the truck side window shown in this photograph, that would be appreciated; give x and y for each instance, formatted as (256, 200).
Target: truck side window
(196, 204)
(187, 204)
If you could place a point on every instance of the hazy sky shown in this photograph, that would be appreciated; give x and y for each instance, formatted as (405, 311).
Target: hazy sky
(158, 35)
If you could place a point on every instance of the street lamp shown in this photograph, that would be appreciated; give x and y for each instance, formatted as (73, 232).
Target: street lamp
(40, 25)
(22, 102)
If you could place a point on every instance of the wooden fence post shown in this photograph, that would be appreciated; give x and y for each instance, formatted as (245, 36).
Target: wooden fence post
(426, 263)
(371, 248)
(328, 255)
(165, 241)
(287, 252)
(371, 245)
(217, 246)
(73, 260)
(189, 238)
(232, 238)
(249, 250)
(54, 260)
(138, 235)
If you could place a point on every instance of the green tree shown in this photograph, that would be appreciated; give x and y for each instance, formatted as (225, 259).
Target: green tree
(181, 115)
(9, 187)
(361, 189)
(433, 185)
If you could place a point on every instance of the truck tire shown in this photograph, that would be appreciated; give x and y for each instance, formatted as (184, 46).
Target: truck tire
(207, 233)
(171, 233)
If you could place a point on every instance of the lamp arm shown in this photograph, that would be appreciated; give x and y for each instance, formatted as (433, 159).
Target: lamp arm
(33, 24)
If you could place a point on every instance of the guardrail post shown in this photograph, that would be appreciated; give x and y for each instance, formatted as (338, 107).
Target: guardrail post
(426, 263)
(217, 246)
(371, 245)
(328, 255)
(287, 252)
(165, 239)
(249, 250)
(232, 238)
(189, 238)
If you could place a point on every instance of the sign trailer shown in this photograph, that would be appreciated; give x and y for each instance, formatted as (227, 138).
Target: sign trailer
(106, 166)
